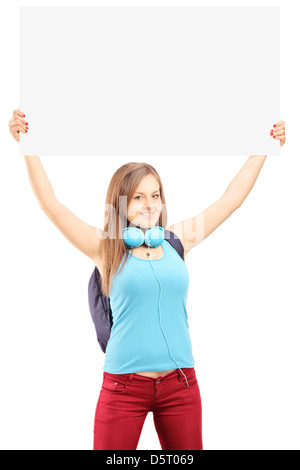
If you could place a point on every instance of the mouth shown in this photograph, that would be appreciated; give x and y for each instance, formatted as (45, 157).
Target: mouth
(148, 215)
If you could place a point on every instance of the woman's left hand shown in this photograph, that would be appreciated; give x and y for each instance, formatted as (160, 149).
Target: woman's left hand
(278, 132)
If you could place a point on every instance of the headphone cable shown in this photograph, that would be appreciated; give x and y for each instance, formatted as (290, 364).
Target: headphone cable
(160, 291)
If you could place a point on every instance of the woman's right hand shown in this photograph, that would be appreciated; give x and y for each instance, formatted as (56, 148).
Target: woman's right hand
(17, 124)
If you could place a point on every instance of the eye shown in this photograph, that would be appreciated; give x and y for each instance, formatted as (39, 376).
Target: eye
(156, 196)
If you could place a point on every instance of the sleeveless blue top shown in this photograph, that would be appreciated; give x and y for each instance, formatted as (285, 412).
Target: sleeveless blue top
(150, 329)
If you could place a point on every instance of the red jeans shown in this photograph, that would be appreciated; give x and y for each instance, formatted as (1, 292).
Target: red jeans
(126, 399)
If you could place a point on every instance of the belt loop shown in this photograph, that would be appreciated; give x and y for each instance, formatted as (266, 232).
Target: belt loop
(179, 374)
(130, 378)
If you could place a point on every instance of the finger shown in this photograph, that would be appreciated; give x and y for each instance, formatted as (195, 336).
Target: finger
(281, 132)
(279, 137)
(18, 112)
(279, 123)
(19, 122)
(18, 128)
(17, 118)
(277, 130)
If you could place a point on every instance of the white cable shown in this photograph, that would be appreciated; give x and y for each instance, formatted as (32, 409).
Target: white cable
(160, 316)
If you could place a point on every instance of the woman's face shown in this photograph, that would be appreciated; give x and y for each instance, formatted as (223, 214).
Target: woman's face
(145, 206)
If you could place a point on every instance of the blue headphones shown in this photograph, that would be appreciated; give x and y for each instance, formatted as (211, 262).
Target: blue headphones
(134, 236)
(153, 237)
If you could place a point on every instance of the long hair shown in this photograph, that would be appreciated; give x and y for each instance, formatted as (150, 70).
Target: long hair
(123, 183)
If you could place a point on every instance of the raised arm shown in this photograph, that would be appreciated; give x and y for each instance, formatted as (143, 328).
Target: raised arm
(83, 236)
(192, 231)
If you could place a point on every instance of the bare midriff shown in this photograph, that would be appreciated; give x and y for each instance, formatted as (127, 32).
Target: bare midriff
(155, 374)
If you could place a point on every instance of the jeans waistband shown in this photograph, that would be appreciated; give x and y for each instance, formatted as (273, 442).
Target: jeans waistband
(141, 378)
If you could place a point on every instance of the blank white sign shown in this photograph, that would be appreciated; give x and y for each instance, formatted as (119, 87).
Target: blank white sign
(142, 81)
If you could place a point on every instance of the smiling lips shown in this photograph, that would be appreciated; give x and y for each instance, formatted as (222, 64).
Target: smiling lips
(147, 214)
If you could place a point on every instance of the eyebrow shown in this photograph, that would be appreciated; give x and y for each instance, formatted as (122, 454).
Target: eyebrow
(137, 192)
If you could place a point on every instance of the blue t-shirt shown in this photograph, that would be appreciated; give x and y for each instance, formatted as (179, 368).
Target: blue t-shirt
(137, 342)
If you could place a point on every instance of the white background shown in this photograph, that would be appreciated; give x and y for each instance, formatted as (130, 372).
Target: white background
(243, 304)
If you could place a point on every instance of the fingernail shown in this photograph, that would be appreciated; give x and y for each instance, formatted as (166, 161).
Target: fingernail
(274, 125)
(23, 115)
(26, 130)
(274, 136)
(26, 122)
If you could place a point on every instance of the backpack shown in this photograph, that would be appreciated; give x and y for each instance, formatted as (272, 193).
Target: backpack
(99, 304)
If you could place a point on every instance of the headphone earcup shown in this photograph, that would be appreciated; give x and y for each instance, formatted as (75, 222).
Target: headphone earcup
(133, 236)
(154, 236)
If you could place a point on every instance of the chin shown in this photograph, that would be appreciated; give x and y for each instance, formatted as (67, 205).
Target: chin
(148, 223)
(143, 222)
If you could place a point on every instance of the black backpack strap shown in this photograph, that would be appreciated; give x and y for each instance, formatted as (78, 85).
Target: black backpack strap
(100, 309)
(175, 241)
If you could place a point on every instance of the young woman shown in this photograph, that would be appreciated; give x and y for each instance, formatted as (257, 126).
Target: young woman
(149, 364)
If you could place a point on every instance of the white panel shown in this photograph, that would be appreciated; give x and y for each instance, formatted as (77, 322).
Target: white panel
(149, 81)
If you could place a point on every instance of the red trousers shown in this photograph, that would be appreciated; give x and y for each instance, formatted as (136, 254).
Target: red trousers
(126, 399)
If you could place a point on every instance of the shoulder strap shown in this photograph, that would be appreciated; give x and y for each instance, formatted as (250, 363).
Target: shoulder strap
(100, 309)
(175, 241)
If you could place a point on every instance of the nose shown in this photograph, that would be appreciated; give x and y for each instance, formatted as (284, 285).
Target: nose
(148, 205)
